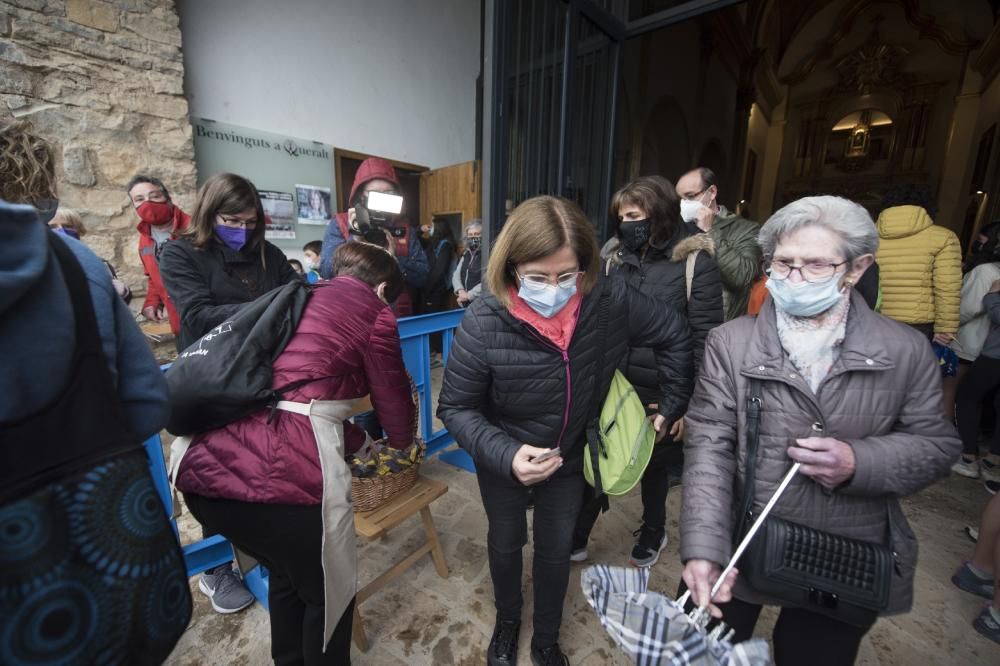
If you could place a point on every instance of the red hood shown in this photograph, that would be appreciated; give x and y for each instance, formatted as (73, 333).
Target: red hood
(181, 222)
(370, 169)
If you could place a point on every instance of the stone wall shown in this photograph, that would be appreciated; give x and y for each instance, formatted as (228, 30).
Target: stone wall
(103, 82)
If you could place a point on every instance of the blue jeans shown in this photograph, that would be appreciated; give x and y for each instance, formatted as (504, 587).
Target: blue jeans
(557, 502)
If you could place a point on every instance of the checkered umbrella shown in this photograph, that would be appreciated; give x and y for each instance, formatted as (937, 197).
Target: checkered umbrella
(653, 629)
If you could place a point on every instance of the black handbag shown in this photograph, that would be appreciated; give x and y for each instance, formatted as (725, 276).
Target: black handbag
(840, 577)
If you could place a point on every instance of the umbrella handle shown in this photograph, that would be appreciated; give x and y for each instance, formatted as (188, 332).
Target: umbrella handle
(749, 536)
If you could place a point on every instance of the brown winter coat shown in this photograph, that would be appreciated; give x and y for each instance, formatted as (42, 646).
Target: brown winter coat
(882, 396)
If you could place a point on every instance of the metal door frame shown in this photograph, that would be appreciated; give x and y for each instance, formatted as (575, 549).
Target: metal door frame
(496, 26)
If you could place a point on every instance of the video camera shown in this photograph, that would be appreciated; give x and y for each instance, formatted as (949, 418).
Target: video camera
(374, 217)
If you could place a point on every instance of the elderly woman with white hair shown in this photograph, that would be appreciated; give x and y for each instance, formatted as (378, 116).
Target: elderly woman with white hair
(467, 278)
(819, 379)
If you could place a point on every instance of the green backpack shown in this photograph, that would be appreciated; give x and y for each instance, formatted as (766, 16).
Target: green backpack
(620, 437)
(624, 441)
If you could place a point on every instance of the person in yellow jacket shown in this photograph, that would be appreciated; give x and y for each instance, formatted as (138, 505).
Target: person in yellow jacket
(921, 265)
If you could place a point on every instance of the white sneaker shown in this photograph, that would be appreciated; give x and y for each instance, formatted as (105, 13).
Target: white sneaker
(989, 471)
(968, 468)
(578, 555)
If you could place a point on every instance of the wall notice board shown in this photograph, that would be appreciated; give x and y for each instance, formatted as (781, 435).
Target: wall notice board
(277, 165)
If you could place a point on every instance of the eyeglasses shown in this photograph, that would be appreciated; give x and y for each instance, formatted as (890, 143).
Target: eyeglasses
(235, 222)
(156, 196)
(537, 281)
(696, 195)
(814, 271)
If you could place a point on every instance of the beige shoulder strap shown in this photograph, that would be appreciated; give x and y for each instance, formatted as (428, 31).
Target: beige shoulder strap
(689, 271)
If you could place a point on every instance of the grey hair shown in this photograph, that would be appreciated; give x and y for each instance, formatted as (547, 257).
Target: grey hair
(845, 218)
(472, 224)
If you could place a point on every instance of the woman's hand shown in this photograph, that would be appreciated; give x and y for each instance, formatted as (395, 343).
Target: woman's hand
(660, 426)
(700, 576)
(995, 287)
(677, 429)
(830, 462)
(529, 473)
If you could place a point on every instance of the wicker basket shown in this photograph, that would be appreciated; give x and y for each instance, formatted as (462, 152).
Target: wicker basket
(369, 493)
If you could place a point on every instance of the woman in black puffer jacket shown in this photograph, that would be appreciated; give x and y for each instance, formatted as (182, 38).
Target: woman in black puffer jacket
(222, 262)
(655, 255)
(521, 378)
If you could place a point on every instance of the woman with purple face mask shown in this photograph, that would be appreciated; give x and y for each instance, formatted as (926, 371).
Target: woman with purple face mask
(222, 261)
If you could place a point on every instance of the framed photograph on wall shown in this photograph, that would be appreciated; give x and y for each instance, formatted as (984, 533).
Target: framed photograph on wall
(314, 204)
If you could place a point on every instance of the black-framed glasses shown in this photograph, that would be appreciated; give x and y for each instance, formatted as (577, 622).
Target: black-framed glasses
(235, 222)
(538, 281)
(813, 271)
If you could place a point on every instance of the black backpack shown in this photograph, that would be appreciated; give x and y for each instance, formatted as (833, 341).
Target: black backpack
(227, 374)
(90, 568)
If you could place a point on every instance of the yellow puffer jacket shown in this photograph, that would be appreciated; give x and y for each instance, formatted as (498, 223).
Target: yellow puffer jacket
(920, 269)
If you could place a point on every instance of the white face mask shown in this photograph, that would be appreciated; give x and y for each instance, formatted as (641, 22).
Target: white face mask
(309, 265)
(689, 209)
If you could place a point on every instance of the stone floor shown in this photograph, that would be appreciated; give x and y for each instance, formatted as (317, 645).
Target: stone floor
(423, 619)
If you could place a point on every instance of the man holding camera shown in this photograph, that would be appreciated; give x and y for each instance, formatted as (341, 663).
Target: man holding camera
(375, 216)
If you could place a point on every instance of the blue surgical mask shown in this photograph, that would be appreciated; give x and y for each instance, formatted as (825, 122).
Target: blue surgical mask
(805, 299)
(546, 299)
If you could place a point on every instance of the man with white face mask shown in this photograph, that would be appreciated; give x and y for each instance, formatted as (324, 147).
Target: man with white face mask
(735, 237)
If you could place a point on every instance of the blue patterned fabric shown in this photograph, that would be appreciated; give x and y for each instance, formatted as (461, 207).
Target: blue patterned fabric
(947, 358)
(90, 571)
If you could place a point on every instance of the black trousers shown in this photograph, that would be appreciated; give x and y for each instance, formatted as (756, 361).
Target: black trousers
(926, 329)
(287, 539)
(800, 636)
(655, 483)
(983, 377)
(557, 503)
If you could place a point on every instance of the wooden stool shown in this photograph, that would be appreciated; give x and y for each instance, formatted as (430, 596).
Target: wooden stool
(373, 524)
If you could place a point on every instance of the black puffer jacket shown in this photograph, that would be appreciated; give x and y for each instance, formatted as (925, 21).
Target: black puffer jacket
(661, 275)
(505, 385)
(208, 285)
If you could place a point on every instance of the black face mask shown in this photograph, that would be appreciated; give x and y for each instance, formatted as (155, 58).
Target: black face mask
(474, 243)
(635, 233)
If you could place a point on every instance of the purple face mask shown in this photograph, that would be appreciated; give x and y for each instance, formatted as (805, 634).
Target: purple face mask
(234, 238)
(66, 231)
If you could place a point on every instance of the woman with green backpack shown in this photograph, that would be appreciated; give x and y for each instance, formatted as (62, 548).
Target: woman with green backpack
(531, 363)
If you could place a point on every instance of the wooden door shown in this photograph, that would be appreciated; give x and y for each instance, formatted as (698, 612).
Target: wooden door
(453, 193)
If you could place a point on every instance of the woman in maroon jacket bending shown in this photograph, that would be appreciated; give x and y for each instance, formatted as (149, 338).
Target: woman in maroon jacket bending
(260, 485)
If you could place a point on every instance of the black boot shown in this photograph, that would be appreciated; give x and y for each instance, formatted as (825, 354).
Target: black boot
(503, 646)
(548, 656)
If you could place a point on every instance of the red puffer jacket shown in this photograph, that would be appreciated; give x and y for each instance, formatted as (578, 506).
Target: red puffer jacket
(348, 342)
